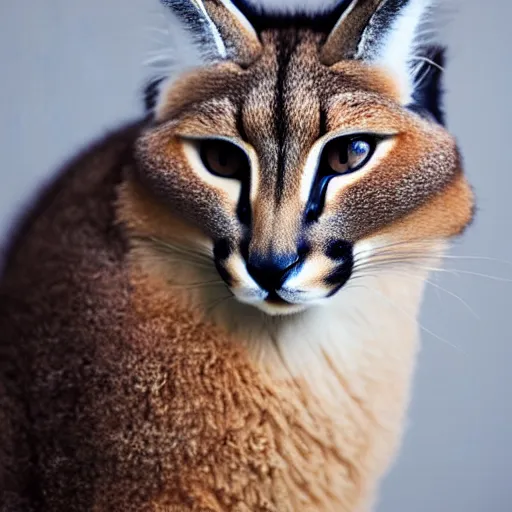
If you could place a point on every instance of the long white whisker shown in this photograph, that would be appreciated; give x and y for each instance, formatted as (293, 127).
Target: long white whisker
(217, 303)
(467, 272)
(407, 243)
(158, 59)
(477, 258)
(439, 288)
(428, 61)
(371, 263)
(393, 258)
(180, 249)
(162, 31)
(191, 262)
(193, 286)
(412, 317)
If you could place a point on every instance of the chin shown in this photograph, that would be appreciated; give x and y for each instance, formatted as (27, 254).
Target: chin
(275, 308)
(282, 303)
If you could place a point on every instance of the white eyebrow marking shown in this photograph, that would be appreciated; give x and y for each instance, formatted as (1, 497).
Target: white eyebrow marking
(310, 170)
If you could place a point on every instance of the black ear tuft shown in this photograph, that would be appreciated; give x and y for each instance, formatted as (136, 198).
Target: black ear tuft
(428, 86)
(151, 93)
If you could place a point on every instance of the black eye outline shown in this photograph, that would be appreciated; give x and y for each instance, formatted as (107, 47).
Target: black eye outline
(243, 175)
(325, 173)
(204, 145)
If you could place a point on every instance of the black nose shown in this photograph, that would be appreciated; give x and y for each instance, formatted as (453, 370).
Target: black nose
(270, 272)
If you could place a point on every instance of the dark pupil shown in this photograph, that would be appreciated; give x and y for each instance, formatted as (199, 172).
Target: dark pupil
(223, 158)
(343, 155)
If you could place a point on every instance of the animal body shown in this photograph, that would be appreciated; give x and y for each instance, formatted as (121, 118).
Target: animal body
(214, 309)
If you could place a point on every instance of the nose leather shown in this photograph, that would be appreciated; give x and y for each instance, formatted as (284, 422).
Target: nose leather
(270, 272)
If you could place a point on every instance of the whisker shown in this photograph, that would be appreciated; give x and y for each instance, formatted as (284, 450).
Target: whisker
(469, 273)
(165, 257)
(401, 243)
(394, 253)
(439, 288)
(212, 307)
(422, 327)
(378, 251)
(178, 249)
(376, 262)
(196, 262)
(193, 286)
(161, 31)
(428, 61)
(477, 258)
(411, 262)
(393, 259)
(158, 59)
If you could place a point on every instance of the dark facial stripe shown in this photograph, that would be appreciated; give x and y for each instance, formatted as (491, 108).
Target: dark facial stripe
(240, 123)
(285, 47)
(323, 123)
(243, 211)
(221, 251)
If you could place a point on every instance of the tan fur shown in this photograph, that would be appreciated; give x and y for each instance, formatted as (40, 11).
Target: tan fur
(132, 379)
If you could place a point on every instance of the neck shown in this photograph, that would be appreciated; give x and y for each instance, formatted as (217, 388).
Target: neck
(371, 323)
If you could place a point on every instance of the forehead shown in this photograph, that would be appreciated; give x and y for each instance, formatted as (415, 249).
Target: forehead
(286, 90)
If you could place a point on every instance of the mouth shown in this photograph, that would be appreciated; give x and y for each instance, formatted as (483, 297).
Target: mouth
(268, 302)
(275, 305)
(274, 299)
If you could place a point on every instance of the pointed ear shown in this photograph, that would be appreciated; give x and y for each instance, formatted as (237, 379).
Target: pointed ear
(220, 30)
(387, 33)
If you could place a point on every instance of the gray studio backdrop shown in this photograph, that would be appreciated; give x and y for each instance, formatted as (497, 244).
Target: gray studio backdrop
(70, 70)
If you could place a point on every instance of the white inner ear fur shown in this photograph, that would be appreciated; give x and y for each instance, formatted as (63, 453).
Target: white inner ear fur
(396, 51)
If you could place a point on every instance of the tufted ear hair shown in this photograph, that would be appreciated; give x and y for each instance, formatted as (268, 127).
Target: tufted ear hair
(388, 33)
(218, 27)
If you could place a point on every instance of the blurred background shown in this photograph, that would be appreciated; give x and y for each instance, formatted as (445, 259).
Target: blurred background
(72, 70)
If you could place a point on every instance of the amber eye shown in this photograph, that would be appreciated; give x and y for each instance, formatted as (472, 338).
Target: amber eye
(223, 158)
(345, 155)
